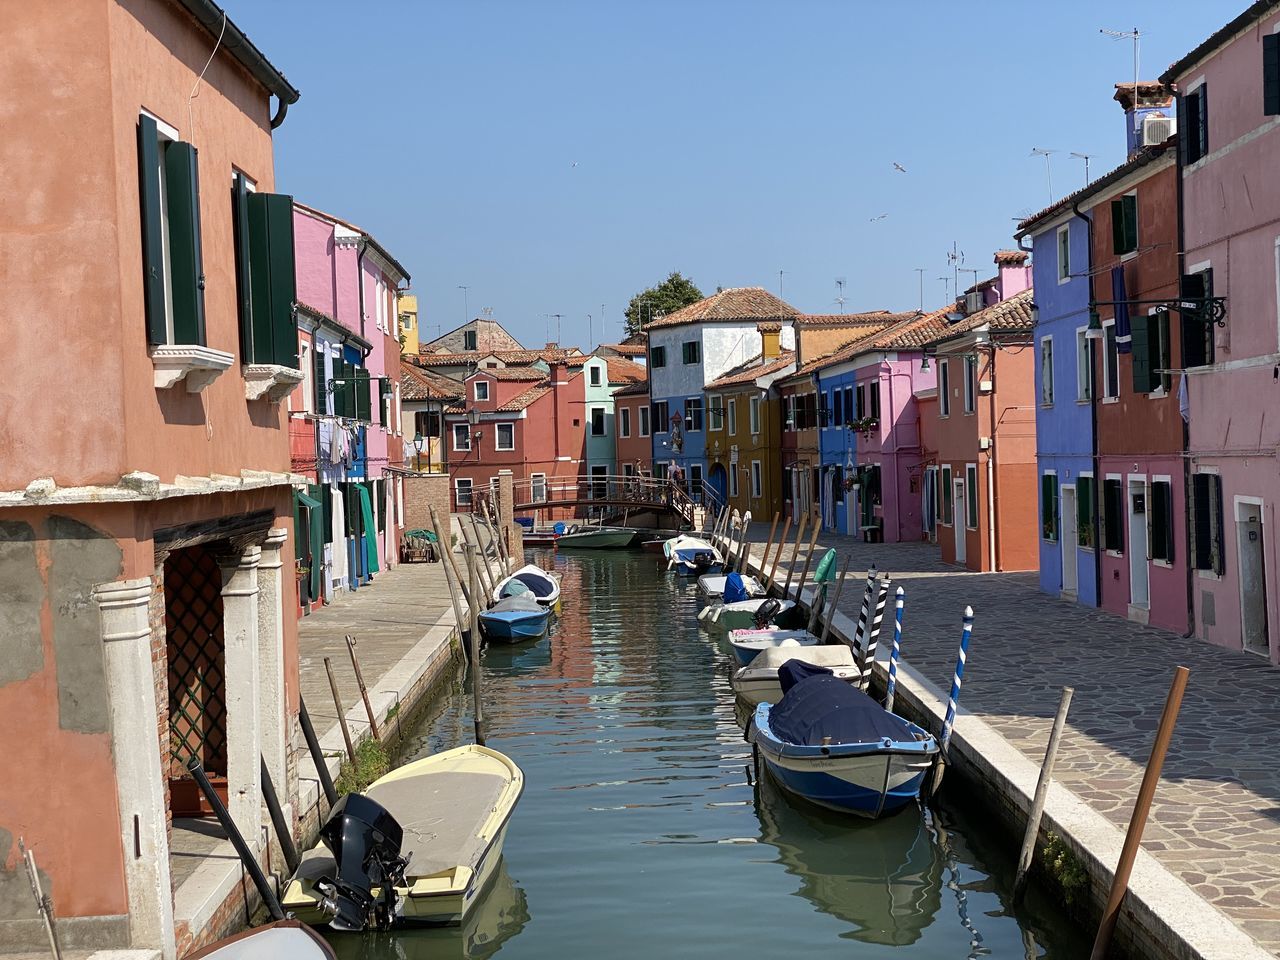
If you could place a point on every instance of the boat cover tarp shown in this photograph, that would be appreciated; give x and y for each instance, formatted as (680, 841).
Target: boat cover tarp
(518, 603)
(826, 571)
(515, 588)
(820, 706)
(538, 586)
(735, 591)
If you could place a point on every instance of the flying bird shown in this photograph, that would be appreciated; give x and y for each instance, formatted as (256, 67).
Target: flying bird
(881, 217)
(899, 167)
(574, 163)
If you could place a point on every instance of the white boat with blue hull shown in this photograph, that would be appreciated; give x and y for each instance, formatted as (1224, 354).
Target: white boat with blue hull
(834, 746)
(530, 580)
(691, 556)
(514, 619)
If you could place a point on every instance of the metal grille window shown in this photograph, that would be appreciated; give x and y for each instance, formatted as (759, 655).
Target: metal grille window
(1049, 507)
(1206, 515)
(971, 496)
(196, 677)
(1161, 520)
(1113, 514)
(462, 486)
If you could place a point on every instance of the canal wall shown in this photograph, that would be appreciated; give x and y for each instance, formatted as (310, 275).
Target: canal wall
(1161, 917)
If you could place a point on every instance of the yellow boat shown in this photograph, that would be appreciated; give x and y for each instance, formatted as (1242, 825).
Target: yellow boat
(453, 808)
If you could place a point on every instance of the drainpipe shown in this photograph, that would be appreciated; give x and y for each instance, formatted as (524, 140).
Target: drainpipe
(1099, 482)
(1186, 427)
(361, 247)
(991, 470)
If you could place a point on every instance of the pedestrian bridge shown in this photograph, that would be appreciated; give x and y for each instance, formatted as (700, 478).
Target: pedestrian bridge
(620, 492)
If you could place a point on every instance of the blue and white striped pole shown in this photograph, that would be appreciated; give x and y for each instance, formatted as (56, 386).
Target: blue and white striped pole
(900, 600)
(956, 680)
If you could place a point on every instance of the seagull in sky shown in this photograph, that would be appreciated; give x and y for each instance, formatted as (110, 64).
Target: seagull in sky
(899, 167)
(881, 217)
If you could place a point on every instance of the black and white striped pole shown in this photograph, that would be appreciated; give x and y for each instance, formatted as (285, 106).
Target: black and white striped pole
(949, 722)
(867, 661)
(896, 653)
(860, 636)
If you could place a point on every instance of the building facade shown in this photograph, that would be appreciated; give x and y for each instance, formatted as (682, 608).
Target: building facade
(635, 448)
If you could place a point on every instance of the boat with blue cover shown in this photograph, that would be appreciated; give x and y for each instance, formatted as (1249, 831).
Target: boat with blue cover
(513, 619)
(834, 746)
(533, 580)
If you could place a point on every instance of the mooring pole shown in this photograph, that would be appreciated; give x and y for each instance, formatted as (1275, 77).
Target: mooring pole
(772, 580)
(940, 763)
(795, 554)
(317, 755)
(1141, 809)
(364, 691)
(745, 557)
(808, 559)
(453, 586)
(864, 614)
(1042, 791)
(835, 600)
(283, 834)
(768, 546)
(486, 575)
(44, 902)
(474, 644)
(342, 714)
(446, 547)
(896, 652)
(867, 656)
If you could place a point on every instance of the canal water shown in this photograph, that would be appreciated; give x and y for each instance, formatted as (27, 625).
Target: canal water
(644, 833)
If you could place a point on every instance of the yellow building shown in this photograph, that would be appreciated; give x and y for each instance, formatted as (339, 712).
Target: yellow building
(408, 312)
(744, 431)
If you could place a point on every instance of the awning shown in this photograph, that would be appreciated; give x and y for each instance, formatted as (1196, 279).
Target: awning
(315, 540)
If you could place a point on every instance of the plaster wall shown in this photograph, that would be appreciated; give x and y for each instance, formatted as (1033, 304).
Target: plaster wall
(635, 448)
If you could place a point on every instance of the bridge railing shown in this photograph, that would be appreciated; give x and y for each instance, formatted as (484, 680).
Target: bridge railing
(617, 491)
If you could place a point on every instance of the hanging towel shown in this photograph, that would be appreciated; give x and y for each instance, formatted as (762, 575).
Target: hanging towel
(1124, 336)
(1184, 401)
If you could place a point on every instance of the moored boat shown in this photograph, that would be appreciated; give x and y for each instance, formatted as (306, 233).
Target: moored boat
(712, 586)
(513, 619)
(596, 538)
(530, 578)
(748, 644)
(692, 556)
(743, 614)
(758, 681)
(282, 940)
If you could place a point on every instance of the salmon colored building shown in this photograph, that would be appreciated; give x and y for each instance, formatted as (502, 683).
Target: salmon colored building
(145, 547)
(631, 413)
(986, 437)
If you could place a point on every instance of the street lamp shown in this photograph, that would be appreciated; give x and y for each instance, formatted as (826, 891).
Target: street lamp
(473, 418)
(418, 441)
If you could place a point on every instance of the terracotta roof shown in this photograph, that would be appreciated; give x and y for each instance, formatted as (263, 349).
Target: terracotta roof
(418, 384)
(1007, 316)
(1148, 94)
(624, 371)
(513, 357)
(911, 331)
(638, 389)
(757, 366)
(735, 303)
(516, 404)
(455, 408)
(1139, 159)
(880, 317)
(1219, 38)
(1015, 257)
(511, 373)
(626, 349)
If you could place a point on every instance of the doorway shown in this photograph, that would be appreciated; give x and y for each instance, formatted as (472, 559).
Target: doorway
(957, 525)
(1069, 534)
(1139, 573)
(599, 481)
(1253, 578)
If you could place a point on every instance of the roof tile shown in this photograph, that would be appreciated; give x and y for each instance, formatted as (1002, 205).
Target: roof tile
(757, 366)
(735, 303)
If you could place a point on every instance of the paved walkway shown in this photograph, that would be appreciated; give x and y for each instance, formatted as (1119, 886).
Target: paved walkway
(1216, 818)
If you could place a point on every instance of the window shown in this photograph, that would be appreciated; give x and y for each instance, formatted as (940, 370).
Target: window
(733, 479)
(468, 339)
(1124, 224)
(1271, 74)
(715, 412)
(461, 436)
(971, 496)
(850, 403)
(1161, 520)
(1046, 371)
(970, 383)
(657, 356)
(1197, 337)
(1084, 366)
(505, 436)
(756, 490)
(1193, 125)
(753, 414)
(1151, 353)
(1113, 514)
(624, 422)
(695, 481)
(660, 424)
(262, 228)
(643, 413)
(172, 265)
(462, 489)
(537, 487)
(837, 409)
(944, 496)
(1084, 511)
(790, 416)
(595, 376)
(733, 417)
(1206, 515)
(873, 394)
(1064, 254)
(628, 470)
(482, 390)
(306, 396)
(597, 422)
(1110, 362)
(944, 397)
(693, 415)
(691, 351)
(1049, 507)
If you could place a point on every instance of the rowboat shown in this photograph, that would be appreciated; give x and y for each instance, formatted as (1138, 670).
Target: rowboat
(748, 644)
(758, 681)
(743, 614)
(596, 538)
(514, 619)
(711, 586)
(282, 940)
(831, 744)
(530, 578)
(691, 556)
(435, 827)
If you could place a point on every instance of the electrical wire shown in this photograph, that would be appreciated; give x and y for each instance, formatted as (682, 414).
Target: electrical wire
(195, 89)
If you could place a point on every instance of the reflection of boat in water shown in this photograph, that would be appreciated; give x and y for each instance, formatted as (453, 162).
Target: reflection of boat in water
(496, 919)
(884, 877)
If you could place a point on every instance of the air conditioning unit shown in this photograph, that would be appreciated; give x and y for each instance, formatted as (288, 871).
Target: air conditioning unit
(973, 302)
(1156, 129)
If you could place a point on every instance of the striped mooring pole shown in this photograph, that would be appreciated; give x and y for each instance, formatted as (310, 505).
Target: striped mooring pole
(868, 655)
(860, 636)
(956, 680)
(899, 601)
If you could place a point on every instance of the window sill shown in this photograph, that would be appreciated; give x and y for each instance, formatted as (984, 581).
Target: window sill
(1083, 401)
(198, 365)
(1110, 399)
(269, 380)
(1163, 564)
(1208, 575)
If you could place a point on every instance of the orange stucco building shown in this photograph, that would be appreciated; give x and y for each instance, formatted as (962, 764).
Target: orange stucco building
(149, 592)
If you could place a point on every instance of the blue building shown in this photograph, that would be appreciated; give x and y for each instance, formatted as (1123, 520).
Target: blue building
(1065, 429)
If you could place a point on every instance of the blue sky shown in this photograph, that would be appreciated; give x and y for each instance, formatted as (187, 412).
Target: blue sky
(727, 140)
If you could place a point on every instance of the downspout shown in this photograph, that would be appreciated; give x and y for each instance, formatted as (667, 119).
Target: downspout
(1186, 427)
(361, 247)
(991, 469)
(1099, 482)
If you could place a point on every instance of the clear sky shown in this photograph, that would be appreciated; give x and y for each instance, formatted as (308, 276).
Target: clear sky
(555, 156)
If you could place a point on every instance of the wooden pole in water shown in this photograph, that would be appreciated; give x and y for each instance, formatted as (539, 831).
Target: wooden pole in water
(454, 586)
(1042, 791)
(492, 519)
(487, 582)
(808, 559)
(768, 546)
(795, 554)
(473, 643)
(1141, 809)
(835, 600)
(342, 714)
(771, 580)
(446, 547)
(896, 653)
(744, 556)
(364, 691)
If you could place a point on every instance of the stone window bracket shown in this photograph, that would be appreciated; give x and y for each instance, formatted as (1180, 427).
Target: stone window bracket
(196, 365)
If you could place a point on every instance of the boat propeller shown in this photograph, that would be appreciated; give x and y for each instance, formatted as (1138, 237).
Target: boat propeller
(365, 840)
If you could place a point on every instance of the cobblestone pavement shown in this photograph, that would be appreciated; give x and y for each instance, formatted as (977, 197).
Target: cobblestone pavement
(1216, 817)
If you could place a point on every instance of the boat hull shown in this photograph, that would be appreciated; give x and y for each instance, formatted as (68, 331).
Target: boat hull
(747, 648)
(741, 615)
(755, 688)
(711, 586)
(596, 540)
(514, 627)
(552, 598)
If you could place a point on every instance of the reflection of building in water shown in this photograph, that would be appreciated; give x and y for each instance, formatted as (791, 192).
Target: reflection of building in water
(883, 877)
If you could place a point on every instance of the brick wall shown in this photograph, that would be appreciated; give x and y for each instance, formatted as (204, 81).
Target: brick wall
(421, 493)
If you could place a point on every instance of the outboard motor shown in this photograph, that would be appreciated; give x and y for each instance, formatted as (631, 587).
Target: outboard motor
(765, 613)
(364, 839)
(703, 560)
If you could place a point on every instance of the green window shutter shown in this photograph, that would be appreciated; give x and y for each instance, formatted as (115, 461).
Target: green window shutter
(1141, 355)
(1271, 74)
(1201, 538)
(284, 324)
(1084, 511)
(1130, 203)
(1117, 226)
(324, 493)
(185, 258)
(362, 394)
(380, 487)
(152, 233)
(259, 279)
(1202, 126)
(1049, 506)
(240, 237)
(320, 384)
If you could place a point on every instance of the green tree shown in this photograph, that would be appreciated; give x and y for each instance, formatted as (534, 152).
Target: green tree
(667, 297)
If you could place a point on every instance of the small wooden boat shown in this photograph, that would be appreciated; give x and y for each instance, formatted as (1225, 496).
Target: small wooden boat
(436, 826)
(758, 681)
(743, 614)
(830, 743)
(596, 538)
(282, 940)
(530, 578)
(513, 619)
(748, 644)
(691, 556)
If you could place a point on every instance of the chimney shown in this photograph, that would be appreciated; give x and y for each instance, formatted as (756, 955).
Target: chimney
(1014, 273)
(770, 340)
(1139, 102)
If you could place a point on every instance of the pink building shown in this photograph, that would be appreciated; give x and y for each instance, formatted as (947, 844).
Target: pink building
(1228, 100)
(346, 423)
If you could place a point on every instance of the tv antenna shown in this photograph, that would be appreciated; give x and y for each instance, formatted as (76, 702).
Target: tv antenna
(947, 282)
(1136, 36)
(955, 257)
(920, 271)
(1086, 157)
(840, 281)
(780, 273)
(466, 311)
(1048, 166)
(557, 317)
